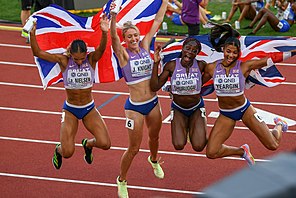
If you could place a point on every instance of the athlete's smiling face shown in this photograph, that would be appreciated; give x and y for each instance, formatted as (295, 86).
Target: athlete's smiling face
(132, 38)
(231, 54)
(79, 57)
(189, 52)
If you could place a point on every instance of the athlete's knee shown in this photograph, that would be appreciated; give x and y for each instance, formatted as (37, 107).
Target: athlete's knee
(198, 147)
(211, 154)
(67, 152)
(133, 151)
(272, 146)
(106, 145)
(179, 145)
(154, 138)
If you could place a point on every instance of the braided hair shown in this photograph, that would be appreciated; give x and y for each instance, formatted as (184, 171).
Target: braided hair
(223, 34)
(78, 46)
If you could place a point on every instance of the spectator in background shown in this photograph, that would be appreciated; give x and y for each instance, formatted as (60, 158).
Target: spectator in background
(190, 16)
(174, 11)
(278, 24)
(25, 14)
(27, 6)
(269, 3)
(248, 9)
(40, 4)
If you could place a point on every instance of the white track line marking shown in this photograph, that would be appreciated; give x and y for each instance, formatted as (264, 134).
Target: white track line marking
(125, 93)
(98, 183)
(124, 149)
(104, 117)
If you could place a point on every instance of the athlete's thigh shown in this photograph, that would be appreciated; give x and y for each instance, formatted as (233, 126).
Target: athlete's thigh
(198, 126)
(95, 124)
(254, 122)
(154, 121)
(220, 132)
(69, 126)
(251, 13)
(179, 127)
(134, 124)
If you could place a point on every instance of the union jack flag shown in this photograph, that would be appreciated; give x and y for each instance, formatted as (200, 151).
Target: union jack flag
(57, 28)
(252, 47)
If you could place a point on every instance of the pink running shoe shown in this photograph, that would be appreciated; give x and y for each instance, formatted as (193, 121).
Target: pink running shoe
(247, 155)
(279, 121)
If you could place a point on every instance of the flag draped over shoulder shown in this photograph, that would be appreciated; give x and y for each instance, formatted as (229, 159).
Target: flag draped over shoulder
(252, 47)
(57, 28)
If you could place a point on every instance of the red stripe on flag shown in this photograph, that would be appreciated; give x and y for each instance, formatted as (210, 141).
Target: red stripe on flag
(276, 80)
(173, 48)
(260, 43)
(92, 39)
(124, 11)
(55, 79)
(62, 21)
(210, 82)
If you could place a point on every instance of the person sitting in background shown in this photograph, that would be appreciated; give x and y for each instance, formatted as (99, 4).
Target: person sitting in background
(277, 24)
(269, 3)
(248, 9)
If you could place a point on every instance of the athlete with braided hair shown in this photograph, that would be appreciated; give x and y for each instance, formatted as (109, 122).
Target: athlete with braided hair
(78, 70)
(229, 76)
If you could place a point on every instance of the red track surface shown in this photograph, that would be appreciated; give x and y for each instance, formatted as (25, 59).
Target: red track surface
(27, 139)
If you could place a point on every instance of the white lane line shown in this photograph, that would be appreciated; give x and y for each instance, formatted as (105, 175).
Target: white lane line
(98, 183)
(13, 45)
(125, 93)
(124, 149)
(18, 64)
(105, 117)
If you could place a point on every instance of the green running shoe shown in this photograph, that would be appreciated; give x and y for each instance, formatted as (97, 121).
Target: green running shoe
(24, 34)
(122, 188)
(158, 172)
(57, 158)
(88, 156)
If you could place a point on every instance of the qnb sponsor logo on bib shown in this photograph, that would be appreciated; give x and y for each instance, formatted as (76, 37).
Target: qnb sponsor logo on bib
(80, 76)
(185, 86)
(141, 67)
(227, 84)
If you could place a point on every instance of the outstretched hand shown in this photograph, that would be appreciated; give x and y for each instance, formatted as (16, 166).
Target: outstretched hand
(104, 23)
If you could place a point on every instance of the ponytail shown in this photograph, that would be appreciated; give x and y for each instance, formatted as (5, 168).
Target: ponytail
(223, 34)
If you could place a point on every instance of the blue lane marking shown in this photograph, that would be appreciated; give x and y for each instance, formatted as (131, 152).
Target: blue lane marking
(108, 101)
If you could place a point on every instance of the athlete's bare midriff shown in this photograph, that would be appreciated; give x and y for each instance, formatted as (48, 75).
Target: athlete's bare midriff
(231, 102)
(141, 92)
(79, 97)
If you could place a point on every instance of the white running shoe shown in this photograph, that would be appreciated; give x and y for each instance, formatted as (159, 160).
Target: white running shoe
(208, 25)
(158, 172)
(122, 188)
